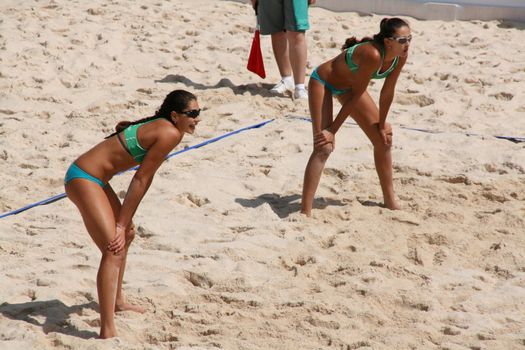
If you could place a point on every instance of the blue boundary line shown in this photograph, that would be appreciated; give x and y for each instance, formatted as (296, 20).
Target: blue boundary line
(515, 139)
(202, 144)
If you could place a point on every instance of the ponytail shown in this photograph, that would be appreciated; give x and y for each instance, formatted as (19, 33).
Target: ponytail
(353, 41)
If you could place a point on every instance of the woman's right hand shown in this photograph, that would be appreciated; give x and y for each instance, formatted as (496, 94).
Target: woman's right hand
(324, 138)
(119, 241)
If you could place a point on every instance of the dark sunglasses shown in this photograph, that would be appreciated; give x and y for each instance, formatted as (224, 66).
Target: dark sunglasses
(194, 113)
(402, 39)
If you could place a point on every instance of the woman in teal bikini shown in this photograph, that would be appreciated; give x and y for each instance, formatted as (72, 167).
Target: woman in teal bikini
(347, 77)
(109, 223)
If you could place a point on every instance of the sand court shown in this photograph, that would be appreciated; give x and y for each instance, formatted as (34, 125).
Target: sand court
(243, 269)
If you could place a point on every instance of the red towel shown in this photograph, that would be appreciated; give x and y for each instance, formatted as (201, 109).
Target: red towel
(255, 61)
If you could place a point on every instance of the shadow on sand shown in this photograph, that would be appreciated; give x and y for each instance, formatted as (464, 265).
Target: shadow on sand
(283, 206)
(253, 89)
(507, 24)
(56, 315)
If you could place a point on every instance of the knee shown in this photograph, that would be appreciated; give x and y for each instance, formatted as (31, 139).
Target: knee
(130, 234)
(296, 38)
(379, 143)
(323, 152)
(113, 259)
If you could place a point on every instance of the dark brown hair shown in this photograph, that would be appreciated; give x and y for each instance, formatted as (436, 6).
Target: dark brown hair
(387, 29)
(176, 100)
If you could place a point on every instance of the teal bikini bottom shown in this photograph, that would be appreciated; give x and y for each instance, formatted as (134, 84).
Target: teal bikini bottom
(334, 91)
(74, 172)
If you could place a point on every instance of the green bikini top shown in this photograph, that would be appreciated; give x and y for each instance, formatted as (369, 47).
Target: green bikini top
(353, 67)
(132, 144)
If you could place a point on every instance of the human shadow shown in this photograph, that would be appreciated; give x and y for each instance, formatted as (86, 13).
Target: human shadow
(56, 316)
(253, 89)
(283, 206)
(508, 24)
(369, 203)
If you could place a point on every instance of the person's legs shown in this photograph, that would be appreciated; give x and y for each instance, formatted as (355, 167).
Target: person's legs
(296, 24)
(281, 53)
(320, 103)
(96, 211)
(366, 114)
(270, 15)
(120, 302)
(298, 54)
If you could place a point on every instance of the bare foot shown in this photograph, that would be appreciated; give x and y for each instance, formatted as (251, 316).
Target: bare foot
(307, 213)
(392, 205)
(125, 306)
(107, 333)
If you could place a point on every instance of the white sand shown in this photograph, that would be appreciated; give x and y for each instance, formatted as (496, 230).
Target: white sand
(223, 259)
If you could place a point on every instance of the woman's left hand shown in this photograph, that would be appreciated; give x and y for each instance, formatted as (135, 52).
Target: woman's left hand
(119, 241)
(323, 138)
(386, 133)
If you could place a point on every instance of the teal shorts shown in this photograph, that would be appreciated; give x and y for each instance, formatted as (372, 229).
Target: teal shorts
(278, 15)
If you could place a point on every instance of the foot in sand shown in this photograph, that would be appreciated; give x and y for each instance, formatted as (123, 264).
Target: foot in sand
(125, 306)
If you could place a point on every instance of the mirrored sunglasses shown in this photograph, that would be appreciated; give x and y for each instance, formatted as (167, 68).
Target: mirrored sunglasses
(402, 39)
(193, 113)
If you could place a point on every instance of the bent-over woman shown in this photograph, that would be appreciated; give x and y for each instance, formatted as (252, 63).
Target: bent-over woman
(108, 221)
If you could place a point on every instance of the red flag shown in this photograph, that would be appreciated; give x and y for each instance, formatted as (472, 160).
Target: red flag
(255, 61)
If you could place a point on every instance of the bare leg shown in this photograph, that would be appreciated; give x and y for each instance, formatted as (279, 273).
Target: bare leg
(365, 113)
(298, 54)
(107, 290)
(280, 51)
(320, 102)
(97, 214)
(120, 303)
(383, 162)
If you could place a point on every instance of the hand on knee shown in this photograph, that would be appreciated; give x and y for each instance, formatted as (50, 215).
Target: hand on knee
(389, 134)
(385, 136)
(324, 151)
(130, 234)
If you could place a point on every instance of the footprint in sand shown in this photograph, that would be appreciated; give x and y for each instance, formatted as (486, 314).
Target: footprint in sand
(329, 243)
(332, 172)
(322, 323)
(503, 96)
(457, 179)
(494, 197)
(95, 12)
(144, 232)
(198, 280)
(304, 260)
(186, 198)
(82, 267)
(241, 229)
(436, 239)
(439, 257)
(514, 166)
(419, 100)
(31, 293)
(192, 33)
(414, 304)
(265, 169)
(160, 247)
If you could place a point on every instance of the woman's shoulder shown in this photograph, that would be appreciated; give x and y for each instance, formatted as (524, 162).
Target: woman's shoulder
(166, 130)
(367, 54)
(161, 130)
(369, 51)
